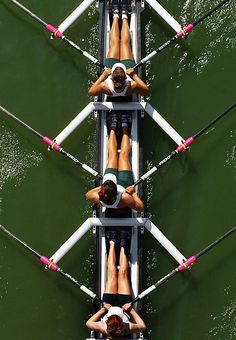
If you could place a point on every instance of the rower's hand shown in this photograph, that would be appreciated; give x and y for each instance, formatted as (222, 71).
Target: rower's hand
(107, 306)
(130, 190)
(127, 307)
(130, 72)
(106, 72)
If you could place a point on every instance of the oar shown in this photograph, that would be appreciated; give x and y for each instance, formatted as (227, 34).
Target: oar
(186, 265)
(52, 144)
(184, 146)
(49, 264)
(186, 29)
(58, 34)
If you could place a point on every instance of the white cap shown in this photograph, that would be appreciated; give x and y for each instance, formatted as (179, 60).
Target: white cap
(118, 65)
(115, 311)
(109, 176)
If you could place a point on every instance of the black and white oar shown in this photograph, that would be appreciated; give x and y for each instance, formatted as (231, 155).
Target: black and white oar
(57, 34)
(184, 146)
(53, 266)
(186, 29)
(186, 265)
(52, 144)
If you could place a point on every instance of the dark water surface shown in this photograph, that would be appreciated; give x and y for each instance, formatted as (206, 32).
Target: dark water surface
(192, 199)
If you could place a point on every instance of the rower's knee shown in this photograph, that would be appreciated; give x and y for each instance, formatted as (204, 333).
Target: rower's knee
(112, 162)
(114, 45)
(125, 41)
(123, 273)
(124, 154)
(112, 273)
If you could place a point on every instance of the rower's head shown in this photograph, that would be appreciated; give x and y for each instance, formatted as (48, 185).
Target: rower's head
(114, 325)
(118, 76)
(108, 192)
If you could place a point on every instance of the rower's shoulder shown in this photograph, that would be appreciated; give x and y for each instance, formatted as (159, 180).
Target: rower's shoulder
(105, 87)
(139, 87)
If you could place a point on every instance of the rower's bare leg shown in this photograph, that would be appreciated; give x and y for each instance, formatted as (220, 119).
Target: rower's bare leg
(124, 163)
(112, 283)
(112, 151)
(114, 44)
(123, 274)
(125, 47)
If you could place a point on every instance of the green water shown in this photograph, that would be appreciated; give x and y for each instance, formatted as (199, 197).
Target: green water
(192, 199)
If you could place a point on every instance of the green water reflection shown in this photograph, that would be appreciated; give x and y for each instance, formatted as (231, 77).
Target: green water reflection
(192, 198)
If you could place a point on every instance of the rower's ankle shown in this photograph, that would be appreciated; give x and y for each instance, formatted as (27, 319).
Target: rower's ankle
(116, 13)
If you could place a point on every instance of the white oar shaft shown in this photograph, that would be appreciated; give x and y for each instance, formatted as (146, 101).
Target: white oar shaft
(88, 291)
(90, 57)
(90, 170)
(149, 173)
(149, 56)
(146, 292)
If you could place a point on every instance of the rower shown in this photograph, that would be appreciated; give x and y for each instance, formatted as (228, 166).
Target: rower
(113, 319)
(118, 78)
(116, 191)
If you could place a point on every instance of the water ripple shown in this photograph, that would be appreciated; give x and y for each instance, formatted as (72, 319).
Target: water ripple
(221, 33)
(3, 280)
(149, 184)
(14, 161)
(150, 39)
(92, 41)
(225, 322)
(231, 153)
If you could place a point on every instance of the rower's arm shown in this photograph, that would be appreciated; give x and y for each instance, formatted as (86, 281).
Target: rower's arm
(99, 86)
(133, 200)
(92, 195)
(139, 325)
(137, 85)
(93, 323)
(138, 203)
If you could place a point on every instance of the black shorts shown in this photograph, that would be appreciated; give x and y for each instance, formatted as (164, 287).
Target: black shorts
(117, 300)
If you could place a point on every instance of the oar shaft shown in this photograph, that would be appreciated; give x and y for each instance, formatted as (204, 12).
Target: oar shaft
(56, 33)
(185, 30)
(24, 244)
(155, 52)
(184, 146)
(84, 53)
(26, 10)
(51, 265)
(182, 267)
(212, 122)
(21, 122)
(207, 14)
(84, 166)
(81, 287)
(52, 144)
(155, 168)
(155, 285)
(213, 244)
